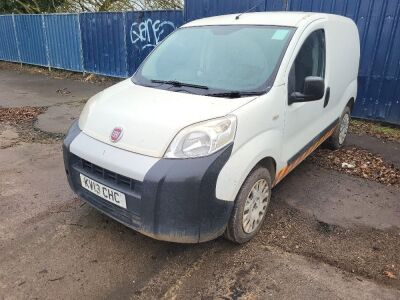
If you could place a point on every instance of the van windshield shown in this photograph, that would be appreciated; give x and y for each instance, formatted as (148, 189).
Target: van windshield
(236, 60)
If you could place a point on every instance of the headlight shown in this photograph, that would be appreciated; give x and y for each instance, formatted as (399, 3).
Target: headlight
(203, 138)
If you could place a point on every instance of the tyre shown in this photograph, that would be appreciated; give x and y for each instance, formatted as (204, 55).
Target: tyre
(250, 206)
(337, 139)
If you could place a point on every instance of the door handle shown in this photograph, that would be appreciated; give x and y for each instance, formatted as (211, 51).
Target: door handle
(327, 96)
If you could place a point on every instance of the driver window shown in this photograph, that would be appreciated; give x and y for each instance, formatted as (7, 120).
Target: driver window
(310, 61)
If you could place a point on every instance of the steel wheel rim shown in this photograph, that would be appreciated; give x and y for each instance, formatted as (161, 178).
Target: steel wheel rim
(344, 126)
(255, 205)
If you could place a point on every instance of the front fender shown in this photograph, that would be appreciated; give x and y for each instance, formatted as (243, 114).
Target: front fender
(244, 159)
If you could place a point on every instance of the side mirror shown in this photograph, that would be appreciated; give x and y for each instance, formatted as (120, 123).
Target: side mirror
(314, 89)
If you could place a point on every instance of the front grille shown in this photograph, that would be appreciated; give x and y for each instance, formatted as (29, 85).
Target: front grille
(110, 177)
(131, 188)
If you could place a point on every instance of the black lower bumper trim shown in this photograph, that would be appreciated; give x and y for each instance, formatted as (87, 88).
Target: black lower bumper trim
(179, 202)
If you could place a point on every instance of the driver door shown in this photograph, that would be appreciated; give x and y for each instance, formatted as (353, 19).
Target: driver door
(303, 120)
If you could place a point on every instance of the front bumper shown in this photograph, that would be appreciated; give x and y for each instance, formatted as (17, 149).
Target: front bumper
(174, 202)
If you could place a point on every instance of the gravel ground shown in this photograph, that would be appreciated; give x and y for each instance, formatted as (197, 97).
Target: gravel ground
(331, 233)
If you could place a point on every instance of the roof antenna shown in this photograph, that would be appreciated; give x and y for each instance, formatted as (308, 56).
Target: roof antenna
(250, 9)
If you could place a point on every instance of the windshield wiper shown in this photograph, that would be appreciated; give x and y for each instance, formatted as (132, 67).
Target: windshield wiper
(180, 84)
(235, 94)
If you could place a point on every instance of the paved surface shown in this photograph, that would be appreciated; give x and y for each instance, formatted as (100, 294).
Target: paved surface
(328, 235)
(58, 118)
(341, 200)
(24, 89)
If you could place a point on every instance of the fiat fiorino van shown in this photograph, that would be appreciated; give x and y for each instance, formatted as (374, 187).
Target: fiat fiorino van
(189, 147)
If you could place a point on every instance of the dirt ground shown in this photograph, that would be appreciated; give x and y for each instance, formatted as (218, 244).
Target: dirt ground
(328, 235)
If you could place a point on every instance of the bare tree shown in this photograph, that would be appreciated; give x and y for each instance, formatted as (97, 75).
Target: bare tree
(49, 6)
(163, 4)
(30, 6)
(119, 5)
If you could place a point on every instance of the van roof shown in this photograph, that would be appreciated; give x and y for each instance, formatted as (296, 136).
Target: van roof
(292, 19)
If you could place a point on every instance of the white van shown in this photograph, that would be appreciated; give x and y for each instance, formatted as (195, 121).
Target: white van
(189, 148)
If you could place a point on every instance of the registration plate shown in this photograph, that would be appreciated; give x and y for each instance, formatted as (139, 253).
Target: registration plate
(103, 191)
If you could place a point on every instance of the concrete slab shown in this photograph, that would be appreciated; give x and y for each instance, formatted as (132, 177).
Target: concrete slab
(24, 89)
(58, 118)
(340, 199)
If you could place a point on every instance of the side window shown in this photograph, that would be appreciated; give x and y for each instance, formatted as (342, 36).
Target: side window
(310, 61)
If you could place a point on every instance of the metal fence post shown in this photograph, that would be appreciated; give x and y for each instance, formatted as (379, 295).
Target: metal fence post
(46, 42)
(16, 40)
(126, 47)
(286, 4)
(78, 15)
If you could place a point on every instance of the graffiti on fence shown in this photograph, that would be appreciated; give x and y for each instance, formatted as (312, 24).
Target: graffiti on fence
(149, 33)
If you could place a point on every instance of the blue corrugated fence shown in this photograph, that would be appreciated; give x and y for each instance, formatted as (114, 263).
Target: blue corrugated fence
(144, 30)
(379, 75)
(115, 44)
(195, 9)
(112, 43)
(104, 44)
(63, 39)
(8, 40)
(31, 39)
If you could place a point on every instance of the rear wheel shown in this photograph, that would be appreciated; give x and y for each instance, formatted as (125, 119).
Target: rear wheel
(250, 206)
(336, 141)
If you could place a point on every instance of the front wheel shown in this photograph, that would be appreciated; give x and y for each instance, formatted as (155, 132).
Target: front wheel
(250, 206)
(337, 139)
